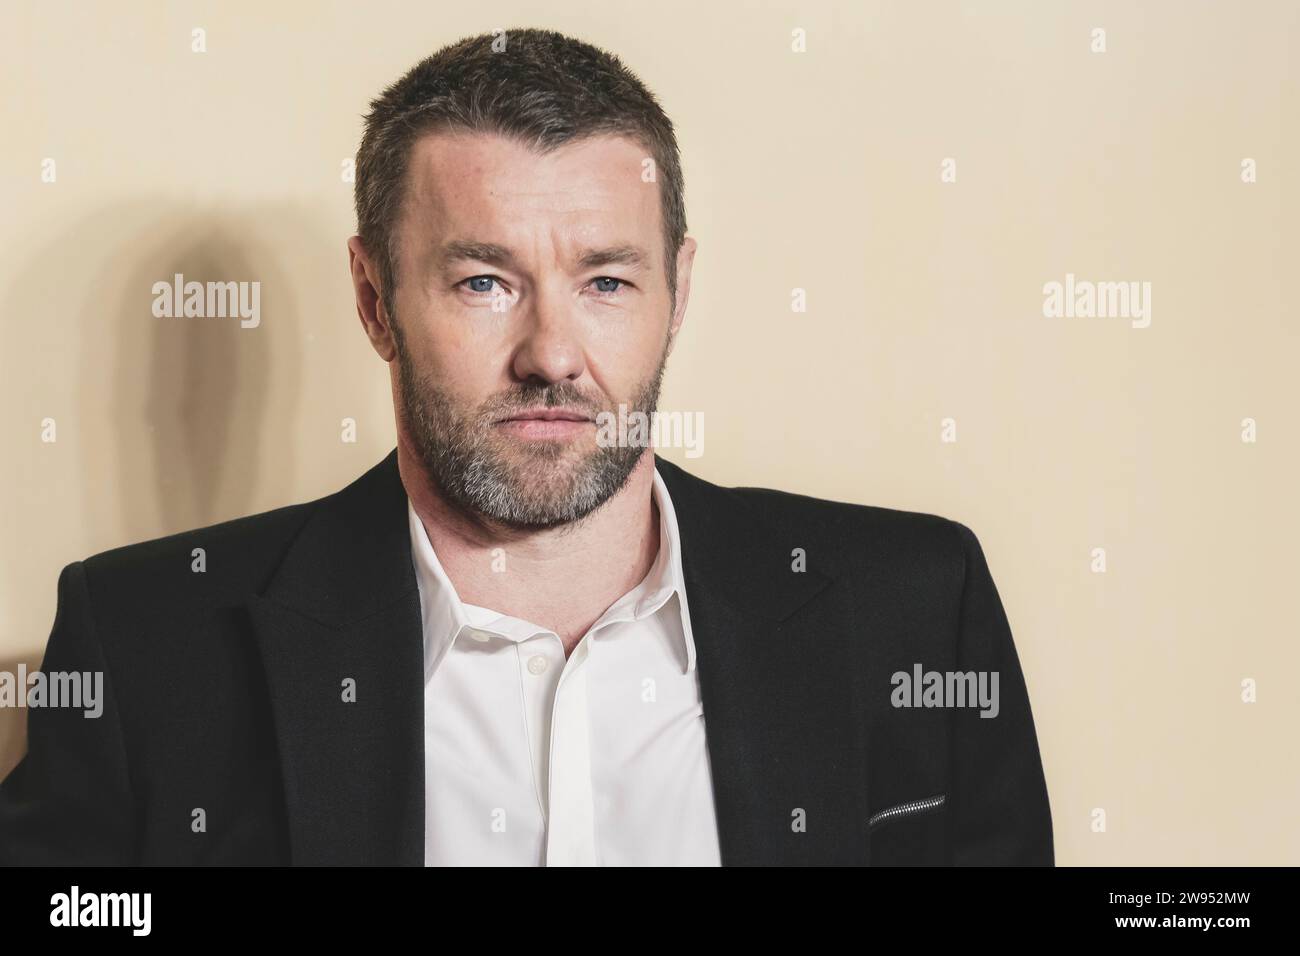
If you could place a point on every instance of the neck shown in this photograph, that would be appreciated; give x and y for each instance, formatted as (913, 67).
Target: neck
(561, 578)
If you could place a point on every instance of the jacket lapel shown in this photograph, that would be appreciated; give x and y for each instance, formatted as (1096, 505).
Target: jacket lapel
(779, 678)
(340, 636)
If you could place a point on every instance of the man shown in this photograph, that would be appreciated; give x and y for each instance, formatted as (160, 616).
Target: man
(511, 641)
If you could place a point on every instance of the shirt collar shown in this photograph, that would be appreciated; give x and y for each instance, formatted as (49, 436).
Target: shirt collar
(444, 615)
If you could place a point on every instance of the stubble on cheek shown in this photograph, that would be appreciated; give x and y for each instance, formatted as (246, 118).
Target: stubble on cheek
(482, 468)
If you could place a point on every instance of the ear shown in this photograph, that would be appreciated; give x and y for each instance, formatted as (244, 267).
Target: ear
(375, 320)
(685, 260)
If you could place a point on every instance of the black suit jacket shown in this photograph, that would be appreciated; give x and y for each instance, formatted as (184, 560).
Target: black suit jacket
(224, 691)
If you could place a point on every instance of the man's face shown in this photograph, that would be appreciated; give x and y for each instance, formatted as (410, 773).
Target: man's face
(532, 296)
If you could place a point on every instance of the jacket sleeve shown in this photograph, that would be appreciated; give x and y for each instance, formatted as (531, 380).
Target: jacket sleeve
(998, 809)
(69, 802)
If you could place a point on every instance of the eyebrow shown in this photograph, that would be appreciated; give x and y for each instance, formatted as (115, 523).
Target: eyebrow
(462, 250)
(615, 255)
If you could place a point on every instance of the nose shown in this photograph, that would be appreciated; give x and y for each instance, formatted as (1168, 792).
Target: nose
(550, 347)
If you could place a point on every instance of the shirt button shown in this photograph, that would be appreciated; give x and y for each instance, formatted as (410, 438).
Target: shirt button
(537, 664)
(480, 636)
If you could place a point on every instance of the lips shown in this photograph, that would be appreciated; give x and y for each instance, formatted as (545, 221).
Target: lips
(546, 415)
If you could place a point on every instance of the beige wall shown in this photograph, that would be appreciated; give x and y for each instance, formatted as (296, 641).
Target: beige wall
(818, 170)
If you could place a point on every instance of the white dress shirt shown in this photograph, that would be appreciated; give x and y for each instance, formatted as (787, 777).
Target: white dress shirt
(535, 760)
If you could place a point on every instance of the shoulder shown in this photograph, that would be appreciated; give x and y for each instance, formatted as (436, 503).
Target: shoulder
(788, 508)
(913, 540)
(208, 566)
(870, 537)
(222, 565)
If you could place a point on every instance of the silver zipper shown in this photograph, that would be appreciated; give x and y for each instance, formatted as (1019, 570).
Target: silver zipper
(907, 809)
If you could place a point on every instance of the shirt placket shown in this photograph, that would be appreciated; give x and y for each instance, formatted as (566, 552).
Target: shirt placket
(571, 817)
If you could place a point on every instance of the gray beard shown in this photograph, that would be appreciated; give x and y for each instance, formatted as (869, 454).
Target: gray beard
(517, 485)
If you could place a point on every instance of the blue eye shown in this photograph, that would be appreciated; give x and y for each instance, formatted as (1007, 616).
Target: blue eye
(482, 285)
(473, 279)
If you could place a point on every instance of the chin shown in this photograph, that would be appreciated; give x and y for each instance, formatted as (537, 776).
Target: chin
(558, 453)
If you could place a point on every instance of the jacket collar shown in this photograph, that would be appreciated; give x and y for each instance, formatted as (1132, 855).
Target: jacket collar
(339, 630)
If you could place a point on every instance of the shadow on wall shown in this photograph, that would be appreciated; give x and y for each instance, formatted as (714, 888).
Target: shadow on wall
(191, 409)
(170, 423)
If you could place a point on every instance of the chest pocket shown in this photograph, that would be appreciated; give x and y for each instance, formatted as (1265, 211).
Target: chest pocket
(914, 833)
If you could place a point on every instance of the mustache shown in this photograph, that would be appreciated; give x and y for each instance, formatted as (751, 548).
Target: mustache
(556, 395)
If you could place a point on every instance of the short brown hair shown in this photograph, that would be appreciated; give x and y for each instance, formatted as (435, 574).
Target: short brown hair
(543, 89)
